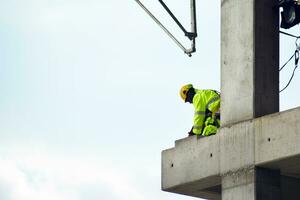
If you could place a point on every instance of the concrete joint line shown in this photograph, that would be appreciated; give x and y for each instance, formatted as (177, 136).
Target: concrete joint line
(240, 171)
(242, 177)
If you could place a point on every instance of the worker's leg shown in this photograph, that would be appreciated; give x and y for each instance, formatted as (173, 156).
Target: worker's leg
(210, 127)
(209, 130)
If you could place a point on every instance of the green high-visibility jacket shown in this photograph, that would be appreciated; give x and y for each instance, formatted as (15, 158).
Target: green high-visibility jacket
(204, 101)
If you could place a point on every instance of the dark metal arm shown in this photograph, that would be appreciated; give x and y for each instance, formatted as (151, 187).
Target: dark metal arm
(190, 35)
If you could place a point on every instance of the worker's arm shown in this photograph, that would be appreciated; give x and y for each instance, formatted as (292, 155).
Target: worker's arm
(198, 123)
(214, 101)
(199, 115)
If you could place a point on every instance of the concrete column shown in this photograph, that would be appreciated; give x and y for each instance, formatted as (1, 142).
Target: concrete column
(251, 184)
(290, 188)
(249, 59)
(239, 185)
(267, 184)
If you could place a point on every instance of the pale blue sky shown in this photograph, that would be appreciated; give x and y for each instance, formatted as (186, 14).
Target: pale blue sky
(89, 95)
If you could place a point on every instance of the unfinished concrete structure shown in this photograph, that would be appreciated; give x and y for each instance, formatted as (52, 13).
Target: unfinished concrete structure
(256, 153)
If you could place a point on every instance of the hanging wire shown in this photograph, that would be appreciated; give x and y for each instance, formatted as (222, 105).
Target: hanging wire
(296, 55)
(296, 65)
(287, 62)
(288, 34)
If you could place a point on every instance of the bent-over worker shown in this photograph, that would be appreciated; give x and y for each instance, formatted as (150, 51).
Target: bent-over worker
(207, 106)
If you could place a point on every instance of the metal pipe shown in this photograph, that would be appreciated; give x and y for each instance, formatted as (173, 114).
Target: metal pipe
(193, 24)
(162, 26)
(193, 17)
(173, 16)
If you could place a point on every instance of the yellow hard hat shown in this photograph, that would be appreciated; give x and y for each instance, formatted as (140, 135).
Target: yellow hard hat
(184, 90)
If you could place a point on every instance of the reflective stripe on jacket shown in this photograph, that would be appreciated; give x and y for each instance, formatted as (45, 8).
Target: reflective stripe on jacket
(204, 101)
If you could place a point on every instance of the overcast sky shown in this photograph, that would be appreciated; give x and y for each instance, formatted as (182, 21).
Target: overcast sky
(89, 95)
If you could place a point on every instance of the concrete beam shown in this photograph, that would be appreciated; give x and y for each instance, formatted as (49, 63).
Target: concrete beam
(277, 136)
(195, 166)
(192, 167)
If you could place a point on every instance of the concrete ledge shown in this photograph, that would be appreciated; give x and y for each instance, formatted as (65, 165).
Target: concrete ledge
(192, 166)
(195, 166)
(277, 136)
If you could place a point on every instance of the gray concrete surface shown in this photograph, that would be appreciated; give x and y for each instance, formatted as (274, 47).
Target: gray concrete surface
(249, 59)
(239, 184)
(195, 166)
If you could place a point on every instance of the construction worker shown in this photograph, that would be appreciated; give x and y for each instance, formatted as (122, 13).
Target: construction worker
(207, 106)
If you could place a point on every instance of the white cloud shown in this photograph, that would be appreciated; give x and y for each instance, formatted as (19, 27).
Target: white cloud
(19, 186)
(36, 177)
